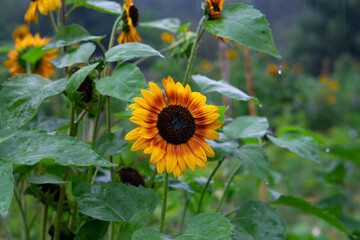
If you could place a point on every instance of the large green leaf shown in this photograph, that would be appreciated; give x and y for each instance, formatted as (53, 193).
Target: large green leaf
(308, 208)
(78, 77)
(6, 134)
(111, 143)
(48, 123)
(34, 54)
(246, 26)
(99, 5)
(6, 184)
(68, 36)
(167, 24)
(113, 201)
(92, 230)
(349, 152)
(212, 226)
(30, 147)
(222, 149)
(257, 221)
(304, 146)
(254, 158)
(74, 56)
(21, 97)
(137, 221)
(45, 178)
(302, 131)
(247, 127)
(125, 83)
(208, 85)
(130, 51)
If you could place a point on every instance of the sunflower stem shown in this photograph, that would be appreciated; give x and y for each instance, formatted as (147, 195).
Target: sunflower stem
(52, 22)
(60, 205)
(26, 226)
(207, 185)
(112, 36)
(28, 67)
(164, 201)
(199, 33)
(44, 222)
(233, 174)
(183, 216)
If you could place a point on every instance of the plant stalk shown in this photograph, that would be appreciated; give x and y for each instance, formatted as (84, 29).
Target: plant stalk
(60, 205)
(44, 222)
(5, 228)
(207, 185)
(152, 178)
(52, 23)
(183, 216)
(164, 202)
(199, 33)
(227, 187)
(26, 226)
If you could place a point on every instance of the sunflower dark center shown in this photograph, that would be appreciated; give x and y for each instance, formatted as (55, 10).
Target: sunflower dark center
(216, 7)
(134, 15)
(176, 124)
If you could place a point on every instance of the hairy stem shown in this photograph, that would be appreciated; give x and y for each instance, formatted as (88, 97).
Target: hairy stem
(233, 174)
(207, 185)
(164, 202)
(199, 33)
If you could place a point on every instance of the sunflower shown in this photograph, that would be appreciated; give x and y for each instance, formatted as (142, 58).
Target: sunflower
(44, 6)
(42, 67)
(130, 20)
(173, 131)
(214, 8)
(20, 32)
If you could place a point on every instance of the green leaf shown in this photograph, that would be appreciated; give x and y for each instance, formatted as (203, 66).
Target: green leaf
(48, 123)
(111, 143)
(6, 48)
(247, 127)
(30, 147)
(137, 221)
(246, 26)
(222, 149)
(257, 221)
(6, 134)
(68, 36)
(45, 178)
(208, 85)
(92, 230)
(179, 185)
(254, 158)
(125, 83)
(308, 208)
(34, 54)
(6, 184)
(74, 56)
(21, 97)
(113, 201)
(123, 114)
(210, 225)
(222, 110)
(77, 79)
(167, 24)
(129, 51)
(302, 131)
(99, 5)
(348, 152)
(304, 146)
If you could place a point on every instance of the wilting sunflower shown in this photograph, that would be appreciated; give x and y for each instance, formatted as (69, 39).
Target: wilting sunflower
(130, 20)
(214, 8)
(42, 67)
(44, 6)
(173, 130)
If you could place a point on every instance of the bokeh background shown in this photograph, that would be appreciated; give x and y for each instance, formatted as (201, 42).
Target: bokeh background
(315, 86)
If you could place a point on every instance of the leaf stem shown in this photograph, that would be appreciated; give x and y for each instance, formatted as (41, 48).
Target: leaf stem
(44, 222)
(152, 178)
(60, 205)
(207, 185)
(26, 226)
(164, 201)
(233, 174)
(112, 36)
(52, 22)
(199, 33)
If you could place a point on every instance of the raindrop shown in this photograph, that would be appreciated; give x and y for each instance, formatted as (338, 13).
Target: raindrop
(260, 105)
(327, 150)
(75, 122)
(279, 72)
(267, 183)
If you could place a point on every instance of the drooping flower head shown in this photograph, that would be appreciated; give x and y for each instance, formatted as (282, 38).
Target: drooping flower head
(18, 65)
(173, 130)
(44, 6)
(130, 20)
(214, 8)
(20, 32)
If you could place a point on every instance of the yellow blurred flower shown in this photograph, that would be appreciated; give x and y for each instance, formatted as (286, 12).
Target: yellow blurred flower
(167, 37)
(231, 54)
(130, 21)
(44, 6)
(42, 67)
(20, 32)
(272, 69)
(207, 65)
(334, 85)
(323, 78)
(214, 8)
(297, 68)
(331, 99)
